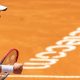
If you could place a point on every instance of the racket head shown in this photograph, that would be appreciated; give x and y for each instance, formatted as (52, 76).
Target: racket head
(10, 57)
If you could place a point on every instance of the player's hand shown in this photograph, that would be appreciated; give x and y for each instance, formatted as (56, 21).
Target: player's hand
(18, 68)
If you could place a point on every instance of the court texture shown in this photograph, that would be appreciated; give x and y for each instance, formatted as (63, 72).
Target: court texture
(47, 35)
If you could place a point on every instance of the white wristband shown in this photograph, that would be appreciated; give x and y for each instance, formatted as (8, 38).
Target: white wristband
(7, 68)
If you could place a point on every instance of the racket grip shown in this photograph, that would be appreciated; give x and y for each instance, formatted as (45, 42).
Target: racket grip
(5, 76)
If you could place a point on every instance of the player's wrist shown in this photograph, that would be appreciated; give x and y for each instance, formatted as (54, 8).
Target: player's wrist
(7, 68)
(16, 68)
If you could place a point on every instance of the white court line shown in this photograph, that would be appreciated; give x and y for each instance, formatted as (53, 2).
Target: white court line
(72, 35)
(43, 76)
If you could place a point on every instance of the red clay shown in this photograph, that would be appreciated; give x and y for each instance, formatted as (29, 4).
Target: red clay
(32, 25)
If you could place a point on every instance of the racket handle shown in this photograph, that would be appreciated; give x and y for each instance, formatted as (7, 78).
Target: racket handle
(5, 76)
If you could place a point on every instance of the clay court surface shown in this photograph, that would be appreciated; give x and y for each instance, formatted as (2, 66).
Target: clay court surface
(32, 25)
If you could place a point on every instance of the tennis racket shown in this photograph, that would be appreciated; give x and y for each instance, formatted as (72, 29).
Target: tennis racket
(9, 58)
